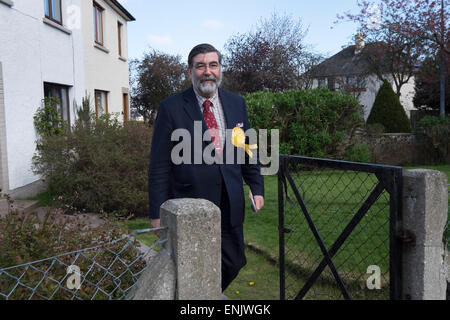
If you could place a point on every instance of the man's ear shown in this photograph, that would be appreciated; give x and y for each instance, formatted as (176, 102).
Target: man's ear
(189, 72)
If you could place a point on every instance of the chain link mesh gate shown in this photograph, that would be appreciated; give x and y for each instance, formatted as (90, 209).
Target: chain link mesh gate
(339, 229)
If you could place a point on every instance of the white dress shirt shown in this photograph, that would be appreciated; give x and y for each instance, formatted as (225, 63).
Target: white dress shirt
(217, 110)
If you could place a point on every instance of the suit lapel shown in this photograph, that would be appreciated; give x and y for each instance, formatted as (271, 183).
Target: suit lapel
(227, 110)
(230, 115)
(191, 106)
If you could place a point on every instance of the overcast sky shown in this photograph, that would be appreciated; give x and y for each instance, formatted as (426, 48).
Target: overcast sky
(175, 26)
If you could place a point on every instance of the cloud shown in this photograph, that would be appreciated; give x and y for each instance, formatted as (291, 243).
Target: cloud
(160, 40)
(213, 24)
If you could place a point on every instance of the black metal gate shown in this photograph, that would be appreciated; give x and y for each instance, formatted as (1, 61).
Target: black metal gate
(340, 229)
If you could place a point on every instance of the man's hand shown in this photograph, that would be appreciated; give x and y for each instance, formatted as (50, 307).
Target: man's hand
(259, 201)
(156, 223)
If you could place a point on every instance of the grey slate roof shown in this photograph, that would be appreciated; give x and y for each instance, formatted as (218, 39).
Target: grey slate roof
(344, 63)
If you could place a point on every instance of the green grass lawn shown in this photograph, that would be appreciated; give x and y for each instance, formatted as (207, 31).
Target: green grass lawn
(45, 199)
(332, 198)
(331, 210)
(445, 168)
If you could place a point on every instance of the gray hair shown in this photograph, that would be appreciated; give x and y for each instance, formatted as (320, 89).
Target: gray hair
(201, 49)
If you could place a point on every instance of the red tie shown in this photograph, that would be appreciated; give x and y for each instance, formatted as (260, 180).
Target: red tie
(212, 125)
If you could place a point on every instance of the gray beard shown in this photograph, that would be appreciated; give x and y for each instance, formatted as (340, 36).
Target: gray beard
(206, 88)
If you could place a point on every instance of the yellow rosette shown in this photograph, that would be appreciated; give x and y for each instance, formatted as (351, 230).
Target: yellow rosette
(238, 140)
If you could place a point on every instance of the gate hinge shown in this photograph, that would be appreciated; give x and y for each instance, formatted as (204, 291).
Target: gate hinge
(406, 236)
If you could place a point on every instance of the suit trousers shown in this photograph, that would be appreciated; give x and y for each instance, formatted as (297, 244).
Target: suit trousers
(233, 254)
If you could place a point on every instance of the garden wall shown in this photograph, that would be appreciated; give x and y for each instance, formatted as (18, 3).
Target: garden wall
(400, 149)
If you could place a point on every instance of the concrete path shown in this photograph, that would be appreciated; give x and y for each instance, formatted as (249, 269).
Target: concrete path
(25, 206)
(29, 206)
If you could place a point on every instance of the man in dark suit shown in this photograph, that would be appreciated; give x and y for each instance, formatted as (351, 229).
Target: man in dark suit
(214, 110)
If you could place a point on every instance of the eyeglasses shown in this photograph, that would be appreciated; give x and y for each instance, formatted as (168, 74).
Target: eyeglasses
(203, 66)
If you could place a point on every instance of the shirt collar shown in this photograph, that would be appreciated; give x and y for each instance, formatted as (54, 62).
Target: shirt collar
(202, 99)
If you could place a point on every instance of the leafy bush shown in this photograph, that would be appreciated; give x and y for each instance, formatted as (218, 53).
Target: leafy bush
(99, 165)
(436, 131)
(26, 238)
(47, 120)
(358, 153)
(311, 122)
(375, 129)
(388, 111)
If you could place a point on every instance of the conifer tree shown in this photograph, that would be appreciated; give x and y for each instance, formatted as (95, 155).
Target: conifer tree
(388, 111)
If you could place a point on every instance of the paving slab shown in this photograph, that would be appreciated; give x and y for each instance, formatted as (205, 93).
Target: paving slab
(24, 206)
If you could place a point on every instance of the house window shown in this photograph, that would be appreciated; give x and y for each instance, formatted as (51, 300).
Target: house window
(98, 24)
(60, 92)
(125, 107)
(356, 83)
(322, 82)
(101, 102)
(351, 81)
(362, 83)
(53, 10)
(119, 31)
(332, 84)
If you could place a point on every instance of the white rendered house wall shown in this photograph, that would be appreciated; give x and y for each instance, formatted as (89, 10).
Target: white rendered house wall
(105, 69)
(33, 51)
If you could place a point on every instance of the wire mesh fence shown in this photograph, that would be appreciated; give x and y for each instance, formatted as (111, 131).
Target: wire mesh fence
(105, 272)
(333, 198)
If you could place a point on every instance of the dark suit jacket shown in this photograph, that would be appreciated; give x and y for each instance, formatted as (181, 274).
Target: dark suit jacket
(168, 181)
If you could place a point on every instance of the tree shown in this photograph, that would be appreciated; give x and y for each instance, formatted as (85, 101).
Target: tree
(393, 50)
(310, 61)
(271, 57)
(427, 85)
(388, 111)
(413, 28)
(154, 78)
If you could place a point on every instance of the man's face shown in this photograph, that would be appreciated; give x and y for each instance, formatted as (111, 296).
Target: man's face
(206, 73)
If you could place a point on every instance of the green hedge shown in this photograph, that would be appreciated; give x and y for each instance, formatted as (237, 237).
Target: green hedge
(314, 123)
(436, 131)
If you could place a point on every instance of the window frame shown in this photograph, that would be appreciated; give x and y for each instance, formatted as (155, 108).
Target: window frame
(356, 83)
(105, 107)
(322, 82)
(331, 83)
(98, 11)
(50, 87)
(51, 9)
(126, 107)
(119, 31)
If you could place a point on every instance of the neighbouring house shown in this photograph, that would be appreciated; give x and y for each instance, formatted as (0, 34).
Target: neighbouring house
(56, 48)
(347, 71)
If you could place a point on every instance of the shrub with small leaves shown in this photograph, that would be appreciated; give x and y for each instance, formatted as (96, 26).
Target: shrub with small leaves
(99, 165)
(47, 120)
(313, 122)
(26, 238)
(358, 153)
(436, 131)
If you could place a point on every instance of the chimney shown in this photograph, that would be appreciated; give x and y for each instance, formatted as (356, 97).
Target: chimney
(359, 42)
